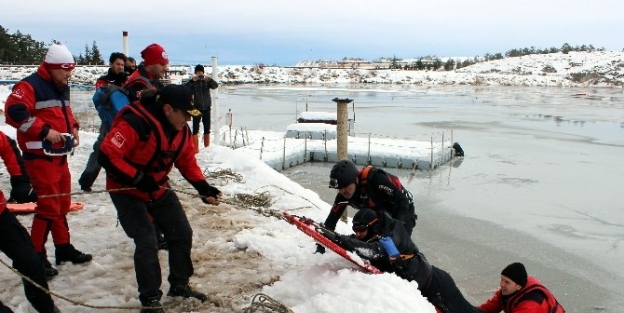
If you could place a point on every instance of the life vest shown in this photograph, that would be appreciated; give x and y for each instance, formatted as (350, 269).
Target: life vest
(162, 160)
(553, 304)
(365, 189)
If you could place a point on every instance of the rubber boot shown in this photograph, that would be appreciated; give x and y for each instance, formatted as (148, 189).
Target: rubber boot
(206, 140)
(196, 142)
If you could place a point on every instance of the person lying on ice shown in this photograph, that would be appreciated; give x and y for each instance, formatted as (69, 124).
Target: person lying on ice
(384, 242)
(521, 293)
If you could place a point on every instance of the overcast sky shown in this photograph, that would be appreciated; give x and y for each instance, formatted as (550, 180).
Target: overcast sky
(284, 32)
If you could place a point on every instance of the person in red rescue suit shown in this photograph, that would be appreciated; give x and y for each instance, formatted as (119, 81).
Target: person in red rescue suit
(147, 76)
(372, 188)
(521, 293)
(147, 139)
(39, 107)
(154, 67)
(384, 242)
(14, 239)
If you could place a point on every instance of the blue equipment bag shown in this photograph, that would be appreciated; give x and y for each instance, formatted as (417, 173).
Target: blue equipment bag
(110, 99)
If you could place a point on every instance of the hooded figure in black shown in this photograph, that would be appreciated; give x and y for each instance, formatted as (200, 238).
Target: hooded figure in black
(372, 188)
(384, 242)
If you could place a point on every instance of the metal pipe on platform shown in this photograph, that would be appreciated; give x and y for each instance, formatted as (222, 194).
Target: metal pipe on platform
(342, 128)
(215, 102)
(126, 50)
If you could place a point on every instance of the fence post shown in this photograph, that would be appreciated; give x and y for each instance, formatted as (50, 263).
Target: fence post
(261, 147)
(368, 157)
(243, 137)
(326, 157)
(305, 146)
(284, 155)
(431, 164)
(442, 150)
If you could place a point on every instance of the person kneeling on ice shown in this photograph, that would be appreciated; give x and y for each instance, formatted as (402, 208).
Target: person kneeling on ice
(384, 242)
(14, 239)
(521, 293)
(147, 138)
(369, 187)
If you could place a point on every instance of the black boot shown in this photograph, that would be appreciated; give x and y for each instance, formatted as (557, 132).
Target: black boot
(5, 309)
(152, 306)
(187, 292)
(48, 270)
(67, 252)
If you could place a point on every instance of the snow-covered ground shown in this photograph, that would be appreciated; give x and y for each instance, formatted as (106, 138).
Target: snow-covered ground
(237, 251)
(575, 69)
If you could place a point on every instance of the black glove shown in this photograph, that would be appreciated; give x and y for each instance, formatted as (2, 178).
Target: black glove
(145, 183)
(332, 236)
(320, 249)
(205, 190)
(21, 190)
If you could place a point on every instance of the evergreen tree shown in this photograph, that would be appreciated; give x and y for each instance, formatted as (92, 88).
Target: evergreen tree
(566, 48)
(88, 59)
(96, 56)
(449, 65)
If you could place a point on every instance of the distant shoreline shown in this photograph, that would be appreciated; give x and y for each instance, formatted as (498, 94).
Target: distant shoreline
(576, 69)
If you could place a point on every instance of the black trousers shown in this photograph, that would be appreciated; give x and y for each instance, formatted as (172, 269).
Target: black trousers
(444, 294)
(171, 219)
(15, 242)
(205, 119)
(92, 170)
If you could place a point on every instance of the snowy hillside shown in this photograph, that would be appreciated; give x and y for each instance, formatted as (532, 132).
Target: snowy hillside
(575, 69)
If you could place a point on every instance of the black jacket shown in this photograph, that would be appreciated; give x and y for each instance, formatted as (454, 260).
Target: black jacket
(201, 92)
(112, 79)
(412, 265)
(381, 194)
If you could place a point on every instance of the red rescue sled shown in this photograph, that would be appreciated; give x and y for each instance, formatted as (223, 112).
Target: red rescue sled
(27, 208)
(309, 228)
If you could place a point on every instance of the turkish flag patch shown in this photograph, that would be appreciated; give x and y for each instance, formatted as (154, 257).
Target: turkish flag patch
(118, 140)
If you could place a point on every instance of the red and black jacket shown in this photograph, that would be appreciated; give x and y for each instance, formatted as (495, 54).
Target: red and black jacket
(378, 190)
(12, 158)
(142, 140)
(134, 84)
(37, 105)
(532, 298)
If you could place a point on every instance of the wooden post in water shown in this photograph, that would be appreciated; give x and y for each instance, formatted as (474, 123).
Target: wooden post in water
(342, 128)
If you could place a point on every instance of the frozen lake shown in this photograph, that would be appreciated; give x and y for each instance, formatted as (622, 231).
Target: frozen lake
(541, 182)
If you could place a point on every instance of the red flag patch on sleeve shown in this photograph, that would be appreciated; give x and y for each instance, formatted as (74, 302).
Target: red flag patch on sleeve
(118, 140)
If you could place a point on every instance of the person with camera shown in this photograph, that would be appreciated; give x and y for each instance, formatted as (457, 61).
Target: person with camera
(201, 85)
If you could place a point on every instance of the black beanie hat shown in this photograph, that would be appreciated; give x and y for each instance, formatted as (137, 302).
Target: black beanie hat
(199, 67)
(516, 272)
(364, 217)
